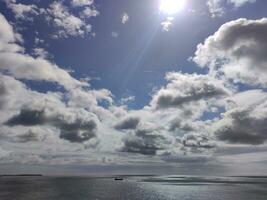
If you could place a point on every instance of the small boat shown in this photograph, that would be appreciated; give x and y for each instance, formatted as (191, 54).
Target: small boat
(118, 179)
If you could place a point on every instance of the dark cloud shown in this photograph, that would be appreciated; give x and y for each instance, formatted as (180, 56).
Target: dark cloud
(27, 118)
(185, 89)
(79, 130)
(143, 142)
(3, 93)
(179, 124)
(29, 136)
(195, 94)
(138, 145)
(127, 123)
(243, 126)
(197, 142)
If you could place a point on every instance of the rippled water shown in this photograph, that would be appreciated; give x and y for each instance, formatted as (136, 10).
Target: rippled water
(171, 187)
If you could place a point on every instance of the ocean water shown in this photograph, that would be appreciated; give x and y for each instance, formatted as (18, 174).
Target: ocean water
(133, 187)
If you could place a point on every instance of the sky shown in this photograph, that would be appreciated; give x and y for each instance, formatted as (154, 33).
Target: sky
(133, 87)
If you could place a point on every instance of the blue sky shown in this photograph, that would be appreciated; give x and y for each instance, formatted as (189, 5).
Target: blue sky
(142, 49)
(88, 82)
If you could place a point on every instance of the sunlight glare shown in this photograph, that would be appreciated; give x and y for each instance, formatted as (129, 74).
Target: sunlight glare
(171, 6)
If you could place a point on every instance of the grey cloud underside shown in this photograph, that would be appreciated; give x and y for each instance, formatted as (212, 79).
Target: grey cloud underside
(243, 127)
(186, 89)
(29, 136)
(127, 123)
(165, 101)
(140, 145)
(179, 124)
(28, 118)
(197, 142)
(144, 142)
(3, 92)
(77, 131)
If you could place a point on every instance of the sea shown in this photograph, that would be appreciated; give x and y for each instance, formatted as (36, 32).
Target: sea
(133, 187)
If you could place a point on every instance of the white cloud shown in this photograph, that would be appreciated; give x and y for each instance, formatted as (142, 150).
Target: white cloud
(167, 24)
(67, 23)
(215, 7)
(124, 18)
(23, 66)
(218, 7)
(21, 11)
(78, 3)
(126, 100)
(238, 3)
(89, 12)
(58, 14)
(40, 52)
(7, 37)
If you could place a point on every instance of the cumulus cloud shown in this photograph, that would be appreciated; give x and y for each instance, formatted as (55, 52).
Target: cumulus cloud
(26, 67)
(75, 126)
(27, 118)
(170, 125)
(182, 124)
(130, 122)
(30, 135)
(20, 65)
(237, 51)
(197, 142)
(7, 37)
(186, 88)
(245, 120)
(73, 123)
(144, 141)
(10, 91)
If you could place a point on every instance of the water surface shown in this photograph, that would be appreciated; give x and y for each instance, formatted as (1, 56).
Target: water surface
(133, 187)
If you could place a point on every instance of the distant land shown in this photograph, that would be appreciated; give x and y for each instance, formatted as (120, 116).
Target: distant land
(2, 175)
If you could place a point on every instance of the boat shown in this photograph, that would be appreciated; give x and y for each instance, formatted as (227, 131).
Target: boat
(118, 179)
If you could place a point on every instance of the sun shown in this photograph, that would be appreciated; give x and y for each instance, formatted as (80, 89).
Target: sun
(171, 7)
